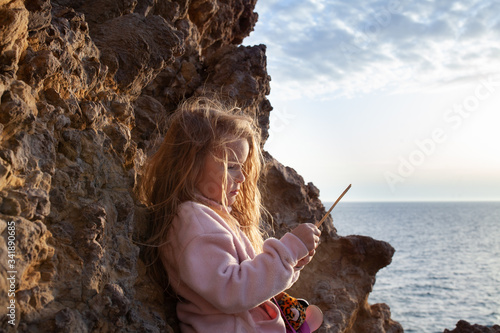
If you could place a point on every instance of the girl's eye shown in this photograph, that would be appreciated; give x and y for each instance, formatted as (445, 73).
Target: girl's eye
(233, 166)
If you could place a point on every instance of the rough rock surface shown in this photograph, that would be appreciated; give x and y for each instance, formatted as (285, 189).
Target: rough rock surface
(84, 87)
(464, 327)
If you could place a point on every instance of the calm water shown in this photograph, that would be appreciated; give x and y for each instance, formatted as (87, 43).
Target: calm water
(447, 261)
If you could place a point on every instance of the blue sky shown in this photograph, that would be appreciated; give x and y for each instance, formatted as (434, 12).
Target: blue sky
(399, 98)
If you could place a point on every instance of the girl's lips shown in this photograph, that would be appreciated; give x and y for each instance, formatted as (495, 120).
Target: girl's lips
(234, 192)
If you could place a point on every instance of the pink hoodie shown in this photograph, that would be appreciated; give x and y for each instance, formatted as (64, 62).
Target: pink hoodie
(222, 285)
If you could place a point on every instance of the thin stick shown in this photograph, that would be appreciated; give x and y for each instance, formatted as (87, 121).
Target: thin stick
(328, 213)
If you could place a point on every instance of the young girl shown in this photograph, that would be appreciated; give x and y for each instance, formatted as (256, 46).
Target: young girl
(202, 187)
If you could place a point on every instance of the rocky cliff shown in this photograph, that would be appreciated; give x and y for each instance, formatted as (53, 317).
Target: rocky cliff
(84, 87)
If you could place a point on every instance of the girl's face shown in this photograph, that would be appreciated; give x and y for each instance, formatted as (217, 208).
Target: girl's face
(211, 180)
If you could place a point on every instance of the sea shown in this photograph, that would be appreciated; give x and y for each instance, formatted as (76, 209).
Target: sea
(447, 261)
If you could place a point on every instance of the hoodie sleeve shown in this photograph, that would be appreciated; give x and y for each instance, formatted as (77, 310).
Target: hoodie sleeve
(209, 265)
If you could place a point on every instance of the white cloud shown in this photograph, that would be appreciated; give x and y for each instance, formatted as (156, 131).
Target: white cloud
(343, 48)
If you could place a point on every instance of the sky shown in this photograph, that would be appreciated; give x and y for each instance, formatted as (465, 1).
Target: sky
(399, 98)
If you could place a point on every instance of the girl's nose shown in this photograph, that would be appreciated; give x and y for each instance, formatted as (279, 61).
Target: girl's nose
(240, 177)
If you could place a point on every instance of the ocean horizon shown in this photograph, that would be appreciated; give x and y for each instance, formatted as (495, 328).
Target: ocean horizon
(446, 266)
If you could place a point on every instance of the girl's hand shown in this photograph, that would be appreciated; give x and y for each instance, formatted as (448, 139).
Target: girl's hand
(304, 261)
(309, 234)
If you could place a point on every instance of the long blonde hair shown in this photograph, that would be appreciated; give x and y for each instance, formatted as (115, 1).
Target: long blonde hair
(198, 128)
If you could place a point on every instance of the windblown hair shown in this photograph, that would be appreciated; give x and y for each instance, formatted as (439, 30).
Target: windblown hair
(199, 128)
